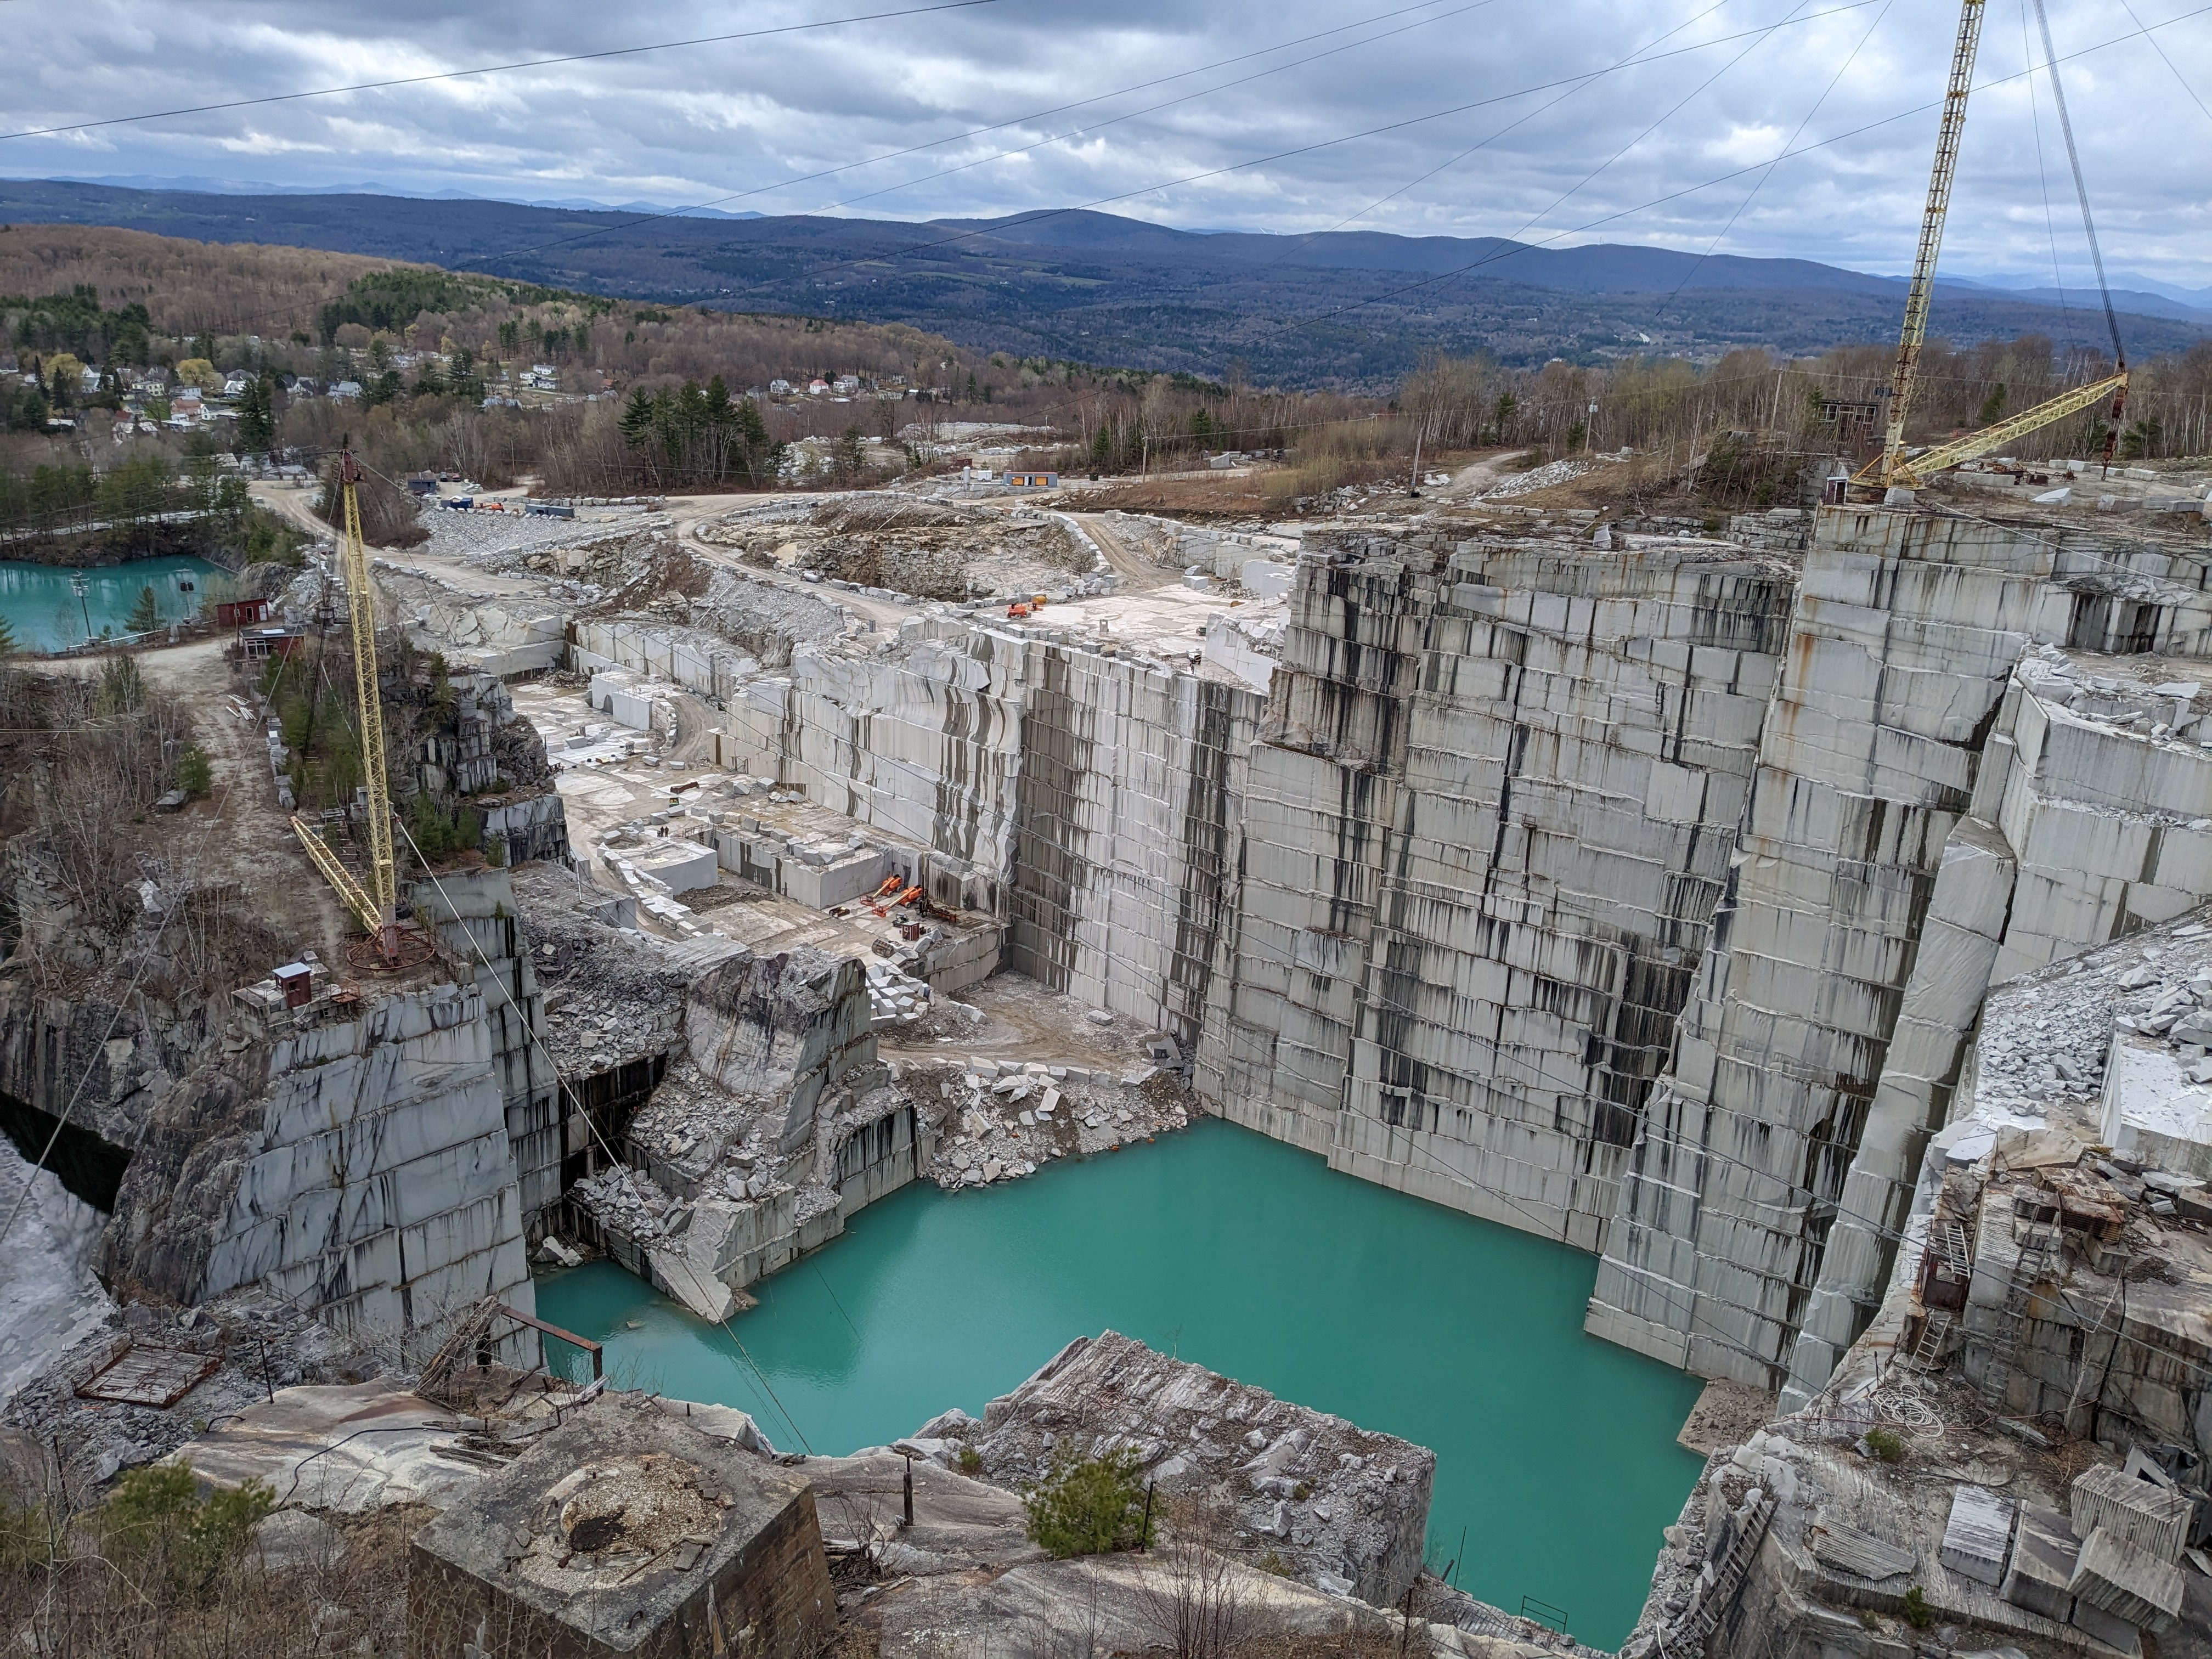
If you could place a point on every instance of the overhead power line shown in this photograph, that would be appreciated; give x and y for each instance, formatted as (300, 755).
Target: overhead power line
(2080, 187)
(492, 69)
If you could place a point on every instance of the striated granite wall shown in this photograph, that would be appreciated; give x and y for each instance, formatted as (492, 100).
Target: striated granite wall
(1904, 641)
(1486, 825)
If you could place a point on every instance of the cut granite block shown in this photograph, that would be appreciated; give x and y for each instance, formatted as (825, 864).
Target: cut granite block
(2113, 1576)
(2044, 1552)
(1978, 1538)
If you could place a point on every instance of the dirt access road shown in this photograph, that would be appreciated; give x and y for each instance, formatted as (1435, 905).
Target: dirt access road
(1137, 573)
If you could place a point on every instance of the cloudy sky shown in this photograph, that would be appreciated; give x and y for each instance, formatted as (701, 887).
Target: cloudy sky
(1581, 120)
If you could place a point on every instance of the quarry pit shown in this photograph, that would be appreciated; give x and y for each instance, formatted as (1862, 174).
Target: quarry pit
(1658, 894)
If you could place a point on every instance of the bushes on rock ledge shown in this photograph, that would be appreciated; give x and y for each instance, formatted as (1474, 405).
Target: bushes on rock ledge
(1088, 1505)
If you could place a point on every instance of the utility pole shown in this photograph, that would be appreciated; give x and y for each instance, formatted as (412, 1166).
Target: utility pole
(81, 585)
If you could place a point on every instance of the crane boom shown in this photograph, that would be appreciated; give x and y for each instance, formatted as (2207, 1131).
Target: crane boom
(1995, 437)
(377, 901)
(1882, 468)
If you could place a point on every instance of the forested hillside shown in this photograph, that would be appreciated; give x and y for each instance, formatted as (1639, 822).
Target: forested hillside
(1353, 312)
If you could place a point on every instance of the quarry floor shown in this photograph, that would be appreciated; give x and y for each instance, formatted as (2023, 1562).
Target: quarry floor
(1557, 1461)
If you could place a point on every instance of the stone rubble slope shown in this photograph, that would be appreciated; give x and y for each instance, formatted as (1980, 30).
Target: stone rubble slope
(896, 544)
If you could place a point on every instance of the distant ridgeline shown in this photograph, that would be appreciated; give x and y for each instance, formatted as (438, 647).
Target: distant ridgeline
(1096, 288)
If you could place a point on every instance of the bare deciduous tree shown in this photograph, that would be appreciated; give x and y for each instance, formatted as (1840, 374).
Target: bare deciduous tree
(1192, 1587)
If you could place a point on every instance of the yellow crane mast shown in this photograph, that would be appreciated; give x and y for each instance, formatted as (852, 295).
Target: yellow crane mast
(1891, 467)
(376, 903)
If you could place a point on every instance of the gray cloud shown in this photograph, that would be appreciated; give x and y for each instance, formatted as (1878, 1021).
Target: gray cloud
(745, 119)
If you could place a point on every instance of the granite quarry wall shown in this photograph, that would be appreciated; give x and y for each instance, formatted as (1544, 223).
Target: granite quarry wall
(1880, 770)
(1486, 827)
(1642, 896)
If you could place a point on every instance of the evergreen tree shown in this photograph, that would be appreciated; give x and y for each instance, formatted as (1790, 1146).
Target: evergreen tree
(256, 416)
(145, 615)
(462, 381)
(6, 638)
(636, 422)
(194, 777)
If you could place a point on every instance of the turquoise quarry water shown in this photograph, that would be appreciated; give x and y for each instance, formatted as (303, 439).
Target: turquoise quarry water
(1555, 1451)
(47, 615)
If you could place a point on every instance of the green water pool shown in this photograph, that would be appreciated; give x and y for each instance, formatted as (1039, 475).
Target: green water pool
(47, 614)
(1556, 1456)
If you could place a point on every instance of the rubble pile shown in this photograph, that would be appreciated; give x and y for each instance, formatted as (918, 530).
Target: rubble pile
(2113, 1046)
(621, 1197)
(1542, 478)
(901, 545)
(2045, 1037)
(1332, 1505)
(612, 994)
(897, 999)
(513, 538)
(1006, 1117)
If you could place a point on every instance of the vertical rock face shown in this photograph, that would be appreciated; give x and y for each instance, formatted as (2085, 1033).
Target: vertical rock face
(378, 1188)
(1092, 802)
(1130, 781)
(1486, 828)
(475, 915)
(1904, 639)
(782, 1029)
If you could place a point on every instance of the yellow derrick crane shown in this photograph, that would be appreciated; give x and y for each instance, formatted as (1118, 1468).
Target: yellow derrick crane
(1891, 467)
(376, 903)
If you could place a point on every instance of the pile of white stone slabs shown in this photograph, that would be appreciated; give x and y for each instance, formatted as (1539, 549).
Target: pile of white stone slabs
(142, 1376)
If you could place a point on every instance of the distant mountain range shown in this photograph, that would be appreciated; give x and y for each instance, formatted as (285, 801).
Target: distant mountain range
(1354, 308)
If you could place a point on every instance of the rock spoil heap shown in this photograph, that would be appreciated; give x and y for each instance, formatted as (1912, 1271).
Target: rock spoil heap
(1336, 1506)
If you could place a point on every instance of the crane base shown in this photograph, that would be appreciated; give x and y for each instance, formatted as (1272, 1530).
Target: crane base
(365, 956)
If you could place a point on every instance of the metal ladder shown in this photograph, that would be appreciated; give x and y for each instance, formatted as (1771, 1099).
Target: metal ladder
(1946, 1241)
(1928, 1352)
(2032, 1264)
